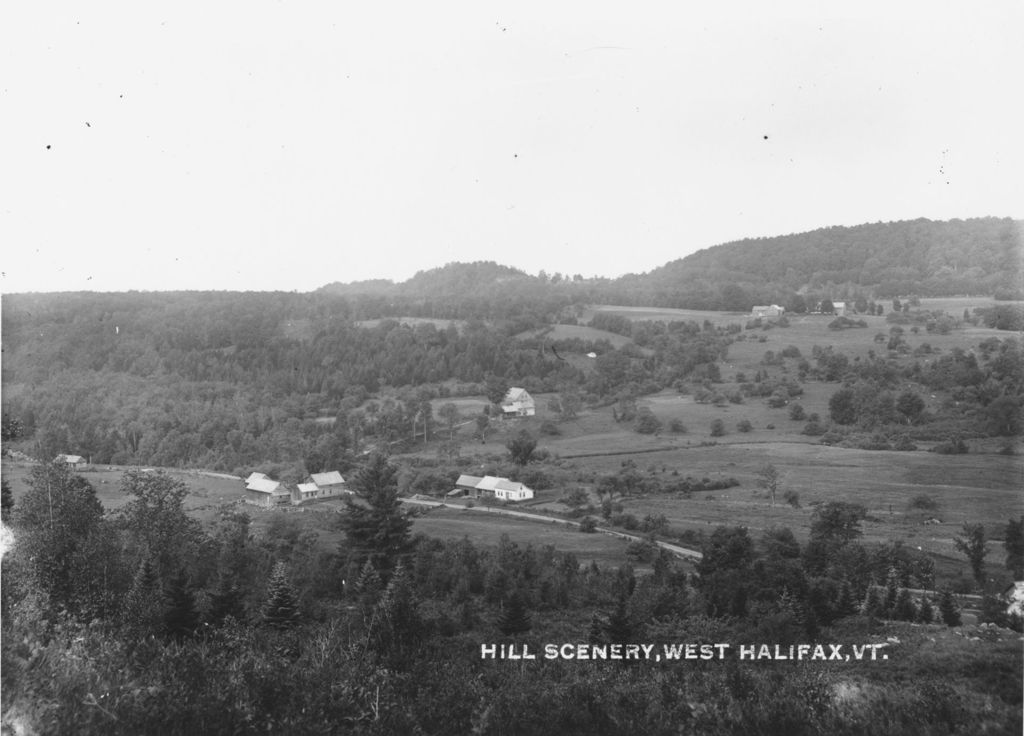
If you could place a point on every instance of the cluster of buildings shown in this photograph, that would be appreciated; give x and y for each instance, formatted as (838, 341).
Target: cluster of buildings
(261, 490)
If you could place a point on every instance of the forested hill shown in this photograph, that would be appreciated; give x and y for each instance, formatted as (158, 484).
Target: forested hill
(917, 256)
(880, 260)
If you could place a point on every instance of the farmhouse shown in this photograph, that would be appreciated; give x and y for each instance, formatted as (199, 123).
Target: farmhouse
(329, 484)
(501, 489)
(518, 403)
(262, 491)
(771, 310)
(74, 462)
(304, 492)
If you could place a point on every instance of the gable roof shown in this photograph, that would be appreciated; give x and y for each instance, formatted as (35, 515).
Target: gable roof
(263, 485)
(509, 485)
(516, 394)
(330, 478)
(307, 487)
(255, 476)
(488, 483)
(469, 481)
(70, 459)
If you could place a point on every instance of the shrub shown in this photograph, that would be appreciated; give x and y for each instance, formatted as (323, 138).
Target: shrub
(588, 525)
(923, 502)
(549, 428)
(792, 498)
(676, 426)
(796, 412)
(718, 428)
(647, 423)
(744, 425)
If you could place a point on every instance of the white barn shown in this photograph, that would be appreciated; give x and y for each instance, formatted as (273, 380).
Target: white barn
(770, 310)
(502, 489)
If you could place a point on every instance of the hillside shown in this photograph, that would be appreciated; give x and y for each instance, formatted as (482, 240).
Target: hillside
(877, 260)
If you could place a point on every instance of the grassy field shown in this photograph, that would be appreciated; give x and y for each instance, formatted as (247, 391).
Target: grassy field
(581, 332)
(666, 314)
(441, 324)
(487, 529)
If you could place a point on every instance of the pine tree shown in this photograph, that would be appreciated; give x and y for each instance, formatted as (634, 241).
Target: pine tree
(619, 629)
(872, 605)
(367, 589)
(180, 617)
(925, 612)
(903, 609)
(282, 608)
(892, 589)
(396, 620)
(845, 604)
(143, 608)
(514, 618)
(376, 529)
(948, 610)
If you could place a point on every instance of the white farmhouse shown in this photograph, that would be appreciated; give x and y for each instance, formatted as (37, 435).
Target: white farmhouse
(518, 403)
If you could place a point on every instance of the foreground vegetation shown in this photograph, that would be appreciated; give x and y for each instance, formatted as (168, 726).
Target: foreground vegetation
(143, 621)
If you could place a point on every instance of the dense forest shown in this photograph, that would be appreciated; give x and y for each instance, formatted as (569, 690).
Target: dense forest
(142, 621)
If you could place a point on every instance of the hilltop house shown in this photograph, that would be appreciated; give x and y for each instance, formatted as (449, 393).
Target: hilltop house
(262, 491)
(491, 486)
(772, 310)
(74, 462)
(518, 403)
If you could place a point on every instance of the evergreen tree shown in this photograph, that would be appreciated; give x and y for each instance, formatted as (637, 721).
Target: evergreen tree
(949, 612)
(396, 621)
(872, 605)
(375, 526)
(892, 588)
(6, 500)
(1013, 542)
(925, 612)
(845, 603)
(143, 609)
(180, 617)
(619, 629)
(514, 618)
(903, 608)
(367, 589)
(281, 610)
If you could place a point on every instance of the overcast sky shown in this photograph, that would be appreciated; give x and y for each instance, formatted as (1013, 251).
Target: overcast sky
(284, 145)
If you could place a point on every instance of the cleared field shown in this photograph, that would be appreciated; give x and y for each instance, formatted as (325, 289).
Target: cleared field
(580, 332)
(485, 529)
(441, 324)
(666, 314)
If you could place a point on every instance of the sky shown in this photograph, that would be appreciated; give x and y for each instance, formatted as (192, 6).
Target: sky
(285, 145)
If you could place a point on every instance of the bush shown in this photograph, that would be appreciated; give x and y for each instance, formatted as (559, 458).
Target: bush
(796, 412)
(954, 446)
(813, 429)
(744, 425)
(647, 423)
(626, 521)
(718, 428)
(792, 498)
(676, 426)
(549, 428)
(588, 525)
(923, 502)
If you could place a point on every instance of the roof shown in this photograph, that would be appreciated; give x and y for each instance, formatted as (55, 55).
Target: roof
(70, 458)
(307, 487)
(255, 476)
(508, 485)
(263, 485)
(488, 483)
(330, 478)
(468, 480)
(516, 394)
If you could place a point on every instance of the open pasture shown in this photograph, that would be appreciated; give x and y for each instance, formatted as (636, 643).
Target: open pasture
(667, 314)
(576, 332)
(487, 530)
